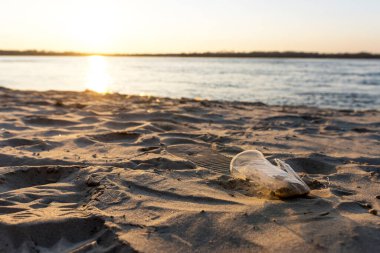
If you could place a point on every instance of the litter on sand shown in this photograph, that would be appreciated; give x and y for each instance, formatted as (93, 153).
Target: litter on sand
(282, 180)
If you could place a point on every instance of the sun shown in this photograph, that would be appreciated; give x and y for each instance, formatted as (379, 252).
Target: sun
(93, 28)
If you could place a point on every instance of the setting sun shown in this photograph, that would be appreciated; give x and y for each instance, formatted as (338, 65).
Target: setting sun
(93, 27)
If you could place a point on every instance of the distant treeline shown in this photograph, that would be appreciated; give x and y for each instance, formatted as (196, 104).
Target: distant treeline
(290, 54)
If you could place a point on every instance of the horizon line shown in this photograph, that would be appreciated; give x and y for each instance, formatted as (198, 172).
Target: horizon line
(248, 54)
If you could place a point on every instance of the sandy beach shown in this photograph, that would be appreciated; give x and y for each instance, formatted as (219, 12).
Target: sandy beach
(85, 172)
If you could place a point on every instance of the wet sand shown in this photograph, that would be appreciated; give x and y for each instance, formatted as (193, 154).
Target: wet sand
(85, 172)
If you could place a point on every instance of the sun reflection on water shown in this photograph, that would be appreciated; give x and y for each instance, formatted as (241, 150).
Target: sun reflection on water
(98, 78)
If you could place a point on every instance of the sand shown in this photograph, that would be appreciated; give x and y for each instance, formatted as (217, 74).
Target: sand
(85, 172)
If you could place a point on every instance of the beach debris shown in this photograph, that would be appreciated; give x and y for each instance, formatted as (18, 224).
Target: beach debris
(59, 103)
(93, 181)
(281, 180)
(365, 205)
(373, 211)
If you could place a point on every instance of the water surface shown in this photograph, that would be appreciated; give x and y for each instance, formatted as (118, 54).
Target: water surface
(345, 84)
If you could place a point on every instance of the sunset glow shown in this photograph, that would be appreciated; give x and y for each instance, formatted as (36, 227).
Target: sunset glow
(98, 78)
(171, 26)
(94, 27)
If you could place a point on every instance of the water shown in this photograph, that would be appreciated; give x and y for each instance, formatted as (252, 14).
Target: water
(344, 84)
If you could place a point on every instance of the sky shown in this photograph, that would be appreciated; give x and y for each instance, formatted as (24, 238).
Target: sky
(173, 26)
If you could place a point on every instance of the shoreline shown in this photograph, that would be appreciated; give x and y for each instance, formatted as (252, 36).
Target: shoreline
(199, 99)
